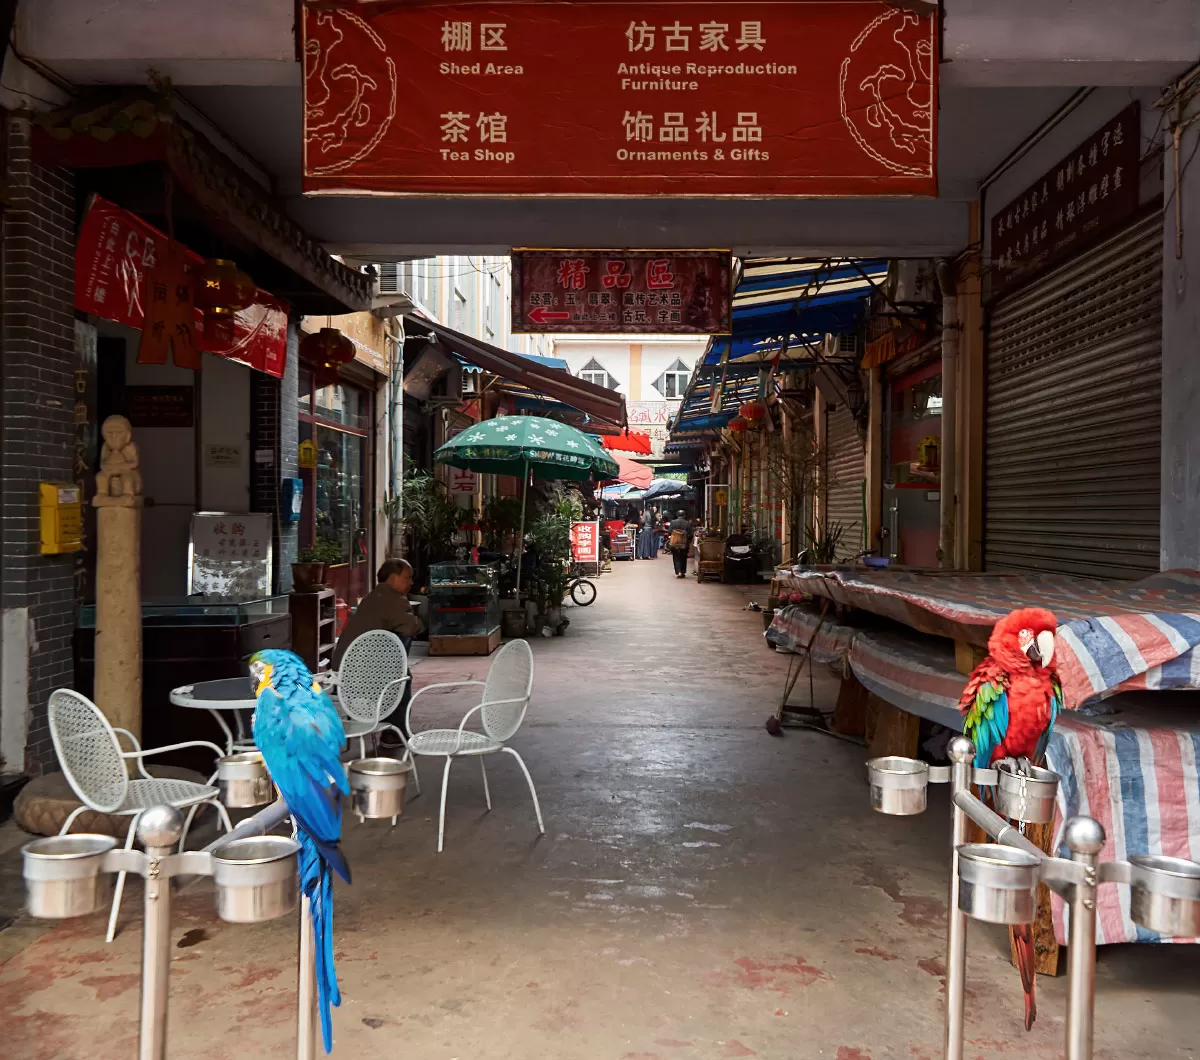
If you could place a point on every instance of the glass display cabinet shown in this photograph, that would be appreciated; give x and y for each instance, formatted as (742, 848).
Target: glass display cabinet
(464, 609)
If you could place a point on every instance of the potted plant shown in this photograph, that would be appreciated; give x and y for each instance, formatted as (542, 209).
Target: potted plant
(312, 564)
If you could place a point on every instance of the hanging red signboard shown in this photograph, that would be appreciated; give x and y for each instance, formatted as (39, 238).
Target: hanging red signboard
(817, 97)
(620, 291)
(117, 249)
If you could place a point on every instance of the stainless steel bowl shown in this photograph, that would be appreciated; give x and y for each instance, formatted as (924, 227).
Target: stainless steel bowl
(256, 878)
(997, 883)
(1027, 797)
(244, 781)
(377, 787)
(898, 785)
(1165, 894)
(63, 877)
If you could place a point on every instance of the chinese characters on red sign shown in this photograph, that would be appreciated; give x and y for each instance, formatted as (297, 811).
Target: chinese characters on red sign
(826, 97)
(657, 292)
(463, 481)
(116, 251)
(1085, 196)
(585, 542)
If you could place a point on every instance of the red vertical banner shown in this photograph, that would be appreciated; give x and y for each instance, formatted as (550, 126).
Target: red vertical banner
(815, 97)
(585, 542)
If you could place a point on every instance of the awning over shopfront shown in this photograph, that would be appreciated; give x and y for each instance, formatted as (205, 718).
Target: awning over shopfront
(786, 306)
(542, 380)
(711, 401)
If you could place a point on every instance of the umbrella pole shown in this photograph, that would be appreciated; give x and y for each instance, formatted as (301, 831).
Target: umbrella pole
(521, 542)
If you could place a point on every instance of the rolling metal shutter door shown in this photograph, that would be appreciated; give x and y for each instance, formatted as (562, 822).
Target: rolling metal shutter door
(1073, 407)
(845, 465)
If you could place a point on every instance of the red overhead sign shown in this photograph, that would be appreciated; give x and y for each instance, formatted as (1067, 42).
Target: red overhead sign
(114, 252)
(815, 97)
(619, 291)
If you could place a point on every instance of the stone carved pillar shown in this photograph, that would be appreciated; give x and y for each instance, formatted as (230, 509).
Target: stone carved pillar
(118, 651)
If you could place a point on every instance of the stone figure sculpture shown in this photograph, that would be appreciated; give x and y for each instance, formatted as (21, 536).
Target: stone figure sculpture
(119, 482)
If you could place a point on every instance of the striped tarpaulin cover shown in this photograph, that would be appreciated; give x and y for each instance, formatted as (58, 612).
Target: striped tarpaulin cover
(1141, 784)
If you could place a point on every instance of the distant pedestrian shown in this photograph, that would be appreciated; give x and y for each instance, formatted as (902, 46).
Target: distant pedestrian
(680, 541)
(645, 541)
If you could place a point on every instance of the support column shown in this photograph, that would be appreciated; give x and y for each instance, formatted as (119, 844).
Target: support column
(1180, 476)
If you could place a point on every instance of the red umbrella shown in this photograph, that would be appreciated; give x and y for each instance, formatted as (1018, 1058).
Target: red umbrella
(639, 476)
(627, 441)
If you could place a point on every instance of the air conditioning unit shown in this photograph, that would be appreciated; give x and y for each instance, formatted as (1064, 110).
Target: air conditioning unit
(389, 278)
(470, 383)
(916, 281)
(847, 345)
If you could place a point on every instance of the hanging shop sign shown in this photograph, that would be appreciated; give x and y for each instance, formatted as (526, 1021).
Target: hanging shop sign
(657, 292)
(827, 97)
(116, 254)
(463, 481)
(1091, 191)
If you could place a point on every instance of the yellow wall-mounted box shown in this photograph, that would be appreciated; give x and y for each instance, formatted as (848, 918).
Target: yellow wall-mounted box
(62, 517)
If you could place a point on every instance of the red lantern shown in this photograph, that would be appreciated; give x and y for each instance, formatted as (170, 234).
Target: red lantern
(753, 410)
(221, 289)
(738, 424)
(327, 349)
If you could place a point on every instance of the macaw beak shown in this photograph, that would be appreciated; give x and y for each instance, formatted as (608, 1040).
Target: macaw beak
(260, 676)
(1045, 646)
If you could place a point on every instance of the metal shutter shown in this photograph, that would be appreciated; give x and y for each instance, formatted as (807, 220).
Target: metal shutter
(1073, 434)
(845, 468)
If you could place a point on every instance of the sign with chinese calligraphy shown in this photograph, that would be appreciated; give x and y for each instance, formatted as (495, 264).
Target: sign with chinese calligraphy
(620, 291)
(1088, 194)
(230, 555)
(159, 406)
(823, 97)
(224, 456)
(115, 251)
(585, 542)
(463, 481)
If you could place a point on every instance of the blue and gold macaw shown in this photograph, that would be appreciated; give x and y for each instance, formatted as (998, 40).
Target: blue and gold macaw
(301, 737)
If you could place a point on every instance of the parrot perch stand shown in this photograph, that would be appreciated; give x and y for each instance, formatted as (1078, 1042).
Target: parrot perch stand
(255, 876)
(997, 882)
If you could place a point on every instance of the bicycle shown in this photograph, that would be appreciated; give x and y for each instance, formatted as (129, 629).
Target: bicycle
(580, 588)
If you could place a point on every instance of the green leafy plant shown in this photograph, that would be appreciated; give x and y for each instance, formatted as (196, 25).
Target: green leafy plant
(430, 514)
(324, 550)
(501, 520)
(823, 544)
(550, 535)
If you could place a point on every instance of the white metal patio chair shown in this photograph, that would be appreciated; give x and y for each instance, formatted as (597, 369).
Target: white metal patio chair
(368, 687)
(94, 764)
(501, 711)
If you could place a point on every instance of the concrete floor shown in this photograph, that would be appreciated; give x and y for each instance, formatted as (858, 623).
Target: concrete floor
(704, 891)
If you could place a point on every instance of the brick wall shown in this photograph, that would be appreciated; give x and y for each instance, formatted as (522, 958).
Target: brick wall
(274, 427)
(37, 444)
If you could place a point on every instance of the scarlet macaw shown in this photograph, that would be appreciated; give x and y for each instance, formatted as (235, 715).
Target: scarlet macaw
(1009, 707)
(301, 737)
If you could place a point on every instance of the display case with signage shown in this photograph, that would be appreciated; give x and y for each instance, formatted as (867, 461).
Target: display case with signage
(464, 609)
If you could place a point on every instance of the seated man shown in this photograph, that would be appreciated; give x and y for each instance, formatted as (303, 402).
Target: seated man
(385, 607)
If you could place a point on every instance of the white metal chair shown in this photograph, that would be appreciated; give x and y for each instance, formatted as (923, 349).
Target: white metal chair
(94, 764)
(369, 685)
(501, 711)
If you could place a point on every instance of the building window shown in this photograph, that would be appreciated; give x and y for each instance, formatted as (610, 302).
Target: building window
(594, 372)
(673, 382)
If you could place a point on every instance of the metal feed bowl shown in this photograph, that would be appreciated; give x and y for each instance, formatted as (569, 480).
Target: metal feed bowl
(63, 877)
(1165, 894)
(898, 785)
(256, 878)
(244, 781)
(997, 883)
(377, 787)
(1027, 797)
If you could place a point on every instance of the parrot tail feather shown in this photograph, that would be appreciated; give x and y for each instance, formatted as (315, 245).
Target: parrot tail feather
(1023, 943)
(316, 881)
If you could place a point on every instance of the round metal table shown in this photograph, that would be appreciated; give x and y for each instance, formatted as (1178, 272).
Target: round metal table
(233, 694)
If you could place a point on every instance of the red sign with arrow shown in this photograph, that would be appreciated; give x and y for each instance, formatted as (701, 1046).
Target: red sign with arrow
(622, 292)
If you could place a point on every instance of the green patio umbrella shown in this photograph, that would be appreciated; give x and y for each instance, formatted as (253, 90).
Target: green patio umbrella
(524, 445)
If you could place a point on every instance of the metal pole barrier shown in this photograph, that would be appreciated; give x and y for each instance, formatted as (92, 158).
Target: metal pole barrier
(1085, 839)
(159, 830)
(961, 752)
(306, 1001)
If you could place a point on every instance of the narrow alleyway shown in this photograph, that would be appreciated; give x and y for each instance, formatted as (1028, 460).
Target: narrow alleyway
(703, 891)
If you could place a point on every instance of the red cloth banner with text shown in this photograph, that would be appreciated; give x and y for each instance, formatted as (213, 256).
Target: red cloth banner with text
(116, 250)
(585, 542)
(816, 97)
